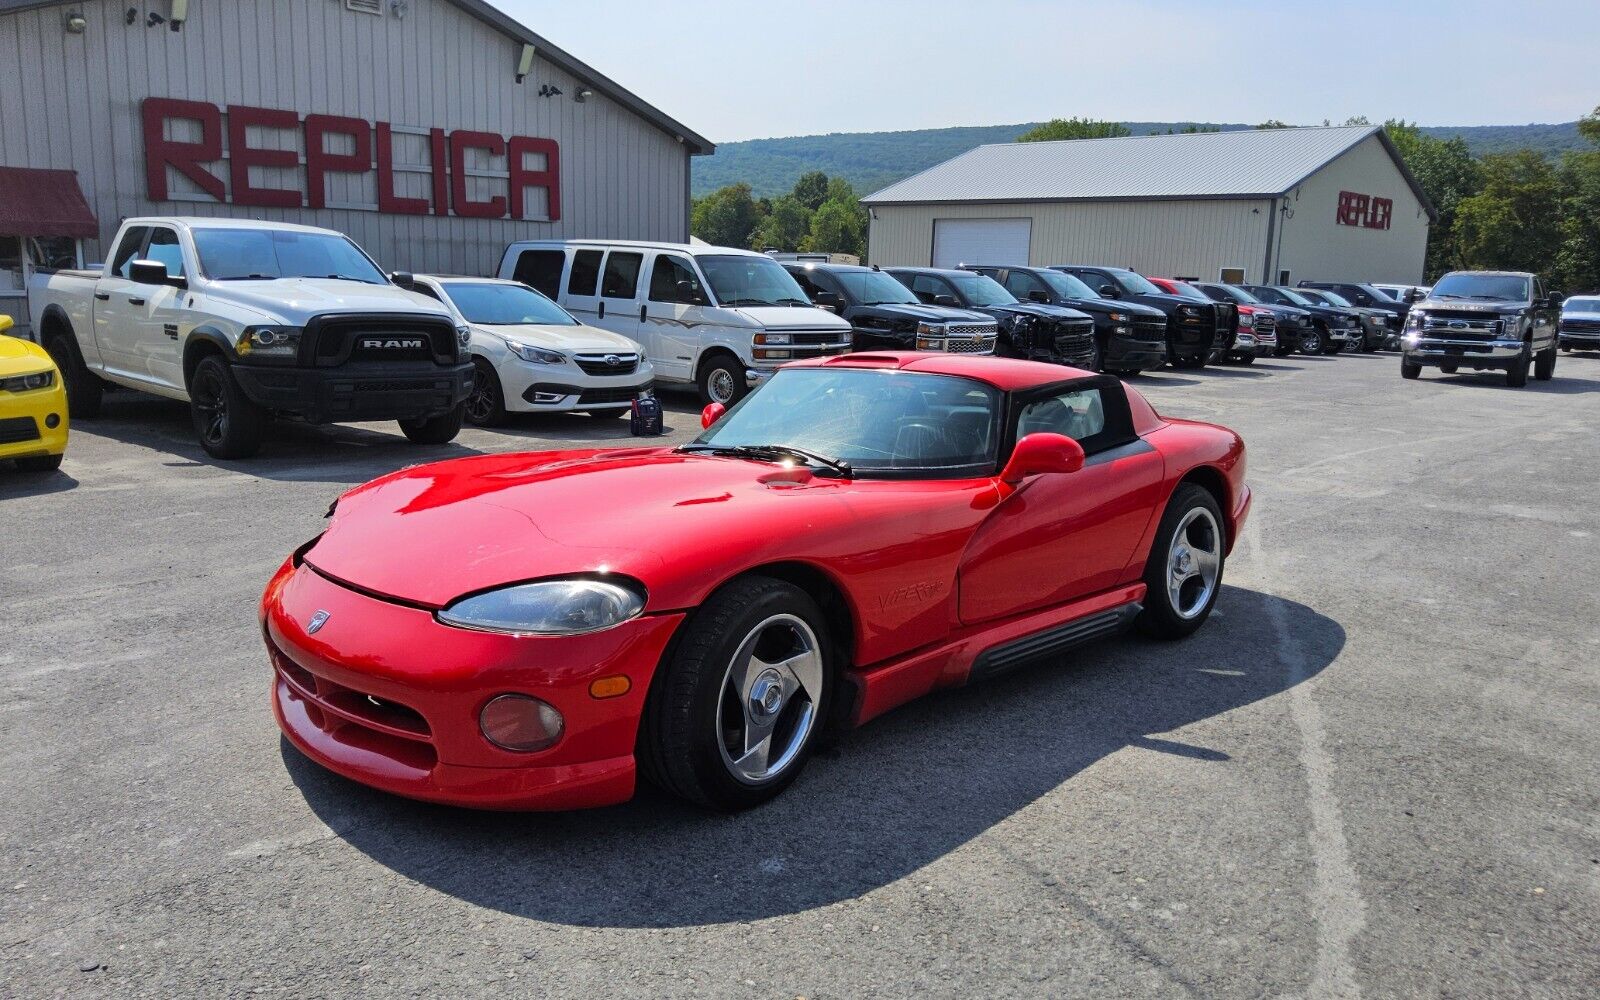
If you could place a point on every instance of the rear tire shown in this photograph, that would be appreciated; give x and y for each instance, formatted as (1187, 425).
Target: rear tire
(721, 380)
(40, 463)
(228, 424)
(435, 430)
(695, 722)
(1544, 364)
(1189, 548)
(84, 387)
(486, 403)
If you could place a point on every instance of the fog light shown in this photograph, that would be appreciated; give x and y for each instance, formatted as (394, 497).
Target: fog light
(53, 421)
(518, 722)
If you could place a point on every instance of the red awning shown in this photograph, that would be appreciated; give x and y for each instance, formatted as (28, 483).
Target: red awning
(43, 203)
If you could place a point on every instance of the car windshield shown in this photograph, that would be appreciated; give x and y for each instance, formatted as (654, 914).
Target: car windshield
(1295, 297)
(1188, 291)
(888, 423)
(264, 254)
(1581, 304)
(1137, 283)
(1330, 298)
(497, 304)
(981, 290)
(1499, 287)
(874, 288)
(1068, 286)
(1238, 294)
(738, 280)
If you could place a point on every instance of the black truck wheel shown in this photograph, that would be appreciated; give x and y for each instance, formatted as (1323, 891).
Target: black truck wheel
(84, 388)
(1409, 370)
(1544, 364)
(227, 423)
(1517, 374)
(435, 430)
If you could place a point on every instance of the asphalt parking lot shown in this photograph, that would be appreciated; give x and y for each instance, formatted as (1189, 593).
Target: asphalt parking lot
(1374, 773)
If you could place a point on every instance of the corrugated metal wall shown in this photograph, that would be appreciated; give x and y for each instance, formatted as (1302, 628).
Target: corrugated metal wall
(1194, 238)
(72, 101)
(1314, 246)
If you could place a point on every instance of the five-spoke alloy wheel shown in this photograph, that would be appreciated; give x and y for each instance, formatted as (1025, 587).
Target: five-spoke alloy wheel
(770, 695)
(1184, 572)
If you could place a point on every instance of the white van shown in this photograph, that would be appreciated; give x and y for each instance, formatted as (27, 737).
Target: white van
(716, 317)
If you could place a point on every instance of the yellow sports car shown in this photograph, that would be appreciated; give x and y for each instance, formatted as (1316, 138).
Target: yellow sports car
(33, 405)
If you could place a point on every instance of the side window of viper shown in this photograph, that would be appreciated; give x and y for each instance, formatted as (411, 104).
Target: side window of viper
(1079, 415)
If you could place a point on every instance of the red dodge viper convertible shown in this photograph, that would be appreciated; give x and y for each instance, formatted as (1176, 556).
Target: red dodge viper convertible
(527, 631)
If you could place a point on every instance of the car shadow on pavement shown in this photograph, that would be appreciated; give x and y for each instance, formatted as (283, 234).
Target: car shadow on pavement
(16, 484)
(1496, 380)
(872, 808)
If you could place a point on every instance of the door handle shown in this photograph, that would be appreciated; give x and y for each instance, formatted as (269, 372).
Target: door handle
(601, 312)
(135, 302)
(642, 313)
(103, 296)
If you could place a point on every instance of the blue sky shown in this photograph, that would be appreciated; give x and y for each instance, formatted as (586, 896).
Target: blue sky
(742, 70)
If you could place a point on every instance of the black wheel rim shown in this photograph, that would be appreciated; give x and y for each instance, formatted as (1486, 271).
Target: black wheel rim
(211, 406)
(481, 401)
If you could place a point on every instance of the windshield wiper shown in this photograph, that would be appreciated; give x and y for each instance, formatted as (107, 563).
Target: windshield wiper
(1492, 298)
(247, 277)
(348, 277)
(793, 302)
(766, 452)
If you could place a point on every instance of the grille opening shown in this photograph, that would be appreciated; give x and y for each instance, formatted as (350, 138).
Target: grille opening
(336, 704)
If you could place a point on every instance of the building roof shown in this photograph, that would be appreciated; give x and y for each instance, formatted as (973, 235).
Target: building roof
(1256, 163)
(486, 12)
(43, 203)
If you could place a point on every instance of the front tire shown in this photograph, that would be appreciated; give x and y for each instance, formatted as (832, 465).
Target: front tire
(1311, 342)
(435, 430)
(1517, 374)
(722, 380)
(735, 712)
(1184, 572)
(1409, 370)
(84, 387)
(1544, 364)
(228, 424)
(486, 403)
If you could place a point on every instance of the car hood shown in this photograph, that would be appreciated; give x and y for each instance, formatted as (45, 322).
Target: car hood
(1584, 314)
(563, 338)
(1168, 299)
(1133, 309)
(430, 534)
(22, 357)
(792, 318)
(1040, 310)
(929, 314)
(296, 300)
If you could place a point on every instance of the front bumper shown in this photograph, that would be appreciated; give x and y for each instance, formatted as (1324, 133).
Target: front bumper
(1582, 340)
(1435, 351)
(1126, 353)
(387, 696)
(25, 430)
(352, 392)
(530, 388)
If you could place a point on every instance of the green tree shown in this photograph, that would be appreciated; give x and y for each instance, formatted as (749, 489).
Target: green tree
(726, 216)
(1274, 123)
(1448, 173)
(783, 229)
(1514, 222)
(838, 227)
(1074, 128)
(1589, 126)
(811, 190)
(1577, 263)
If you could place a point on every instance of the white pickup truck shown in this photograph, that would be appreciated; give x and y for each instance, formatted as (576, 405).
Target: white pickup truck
(244, 320)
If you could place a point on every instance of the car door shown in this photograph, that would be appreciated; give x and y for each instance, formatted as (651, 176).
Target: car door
(1065, 536)
(157, 316)
(1023, 285)
(1544, 318)
(582, 295)
(116, 317)
(675, 310)
(621, 293)
(928, 287)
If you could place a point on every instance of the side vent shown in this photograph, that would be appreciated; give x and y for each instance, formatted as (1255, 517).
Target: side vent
(364, 6)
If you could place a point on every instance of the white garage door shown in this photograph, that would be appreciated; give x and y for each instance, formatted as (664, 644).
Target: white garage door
(980, 241)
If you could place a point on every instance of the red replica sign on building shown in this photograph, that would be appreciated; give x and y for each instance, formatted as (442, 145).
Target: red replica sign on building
(371, 147)
(1367, 211)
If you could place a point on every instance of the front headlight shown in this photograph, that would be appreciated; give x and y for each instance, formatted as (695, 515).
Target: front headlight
(1247, 320)
(1117, 317)
(930, 330)
(281, 342)
(1414, 319)
(536, 355)
(26, 383)
(548, 607)
(1189, 310)
(463, 338)
(773, 338)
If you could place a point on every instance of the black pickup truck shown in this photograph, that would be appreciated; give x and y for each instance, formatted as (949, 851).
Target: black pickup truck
(1194, 329)
(885, 316)
(1129, 338)
(1290, 323)
(1332, 330)
(1027, 329)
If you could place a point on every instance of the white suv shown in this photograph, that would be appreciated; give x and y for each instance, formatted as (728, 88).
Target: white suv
(531, 356)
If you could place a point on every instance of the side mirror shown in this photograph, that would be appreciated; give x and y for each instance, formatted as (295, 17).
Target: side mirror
(1039, 295)
(1416, 295)
(1555, 299)
(690, 294)
(711, 414)
(403, 279)
(828, 300)
(1108, 292)
(1041, 454)
(153, 272)
(946, 300)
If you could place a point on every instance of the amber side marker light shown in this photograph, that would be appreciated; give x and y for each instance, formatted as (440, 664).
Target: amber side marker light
(610, 687)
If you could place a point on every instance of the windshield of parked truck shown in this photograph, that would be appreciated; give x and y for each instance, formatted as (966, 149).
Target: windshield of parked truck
(1236, 294)
(1136, 283)
(888, 422)
(737, 280)
(504, 304)
(1581, 304)
(1294, 297)
(1068, 286)
(1188, 291)
(264, 254)
(981, 290)
(874, 288)
(1495, 287)
(1325, 297)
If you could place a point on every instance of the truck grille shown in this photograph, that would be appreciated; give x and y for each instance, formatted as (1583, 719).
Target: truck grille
(974, 345)
(1266, 323)
(1464, 325)
(1153, 330)
(14, 429)
(1074, 340)
(379, 339)
(607, 364)
(1588, 325)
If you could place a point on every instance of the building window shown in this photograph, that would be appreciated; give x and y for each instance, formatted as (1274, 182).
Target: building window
(1283, 276)
(364, 6)
(1231, 275)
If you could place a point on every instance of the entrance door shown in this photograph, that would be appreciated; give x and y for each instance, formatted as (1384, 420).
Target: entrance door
(981, 241)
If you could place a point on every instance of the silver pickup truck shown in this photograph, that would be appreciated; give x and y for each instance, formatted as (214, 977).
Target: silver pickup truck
(244, 320)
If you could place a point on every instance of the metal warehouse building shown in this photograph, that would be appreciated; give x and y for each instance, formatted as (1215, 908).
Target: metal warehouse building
(1273, 205)
(433, 132)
